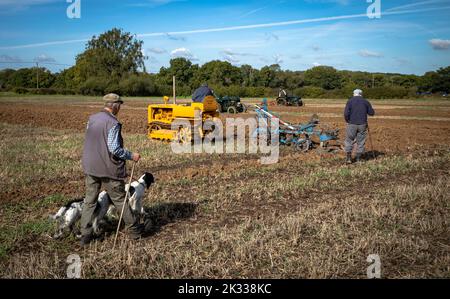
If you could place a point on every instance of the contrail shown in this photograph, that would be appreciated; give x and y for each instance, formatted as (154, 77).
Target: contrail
(415, 4)
(235, 28)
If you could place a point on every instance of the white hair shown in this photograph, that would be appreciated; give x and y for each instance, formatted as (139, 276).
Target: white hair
(357, 92)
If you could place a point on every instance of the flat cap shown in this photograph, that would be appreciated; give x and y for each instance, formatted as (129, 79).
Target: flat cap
(112, 98)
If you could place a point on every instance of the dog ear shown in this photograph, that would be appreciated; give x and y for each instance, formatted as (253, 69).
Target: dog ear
(149, 179)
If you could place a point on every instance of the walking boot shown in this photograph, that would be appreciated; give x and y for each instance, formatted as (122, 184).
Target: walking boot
(358, 158)
(136, 233)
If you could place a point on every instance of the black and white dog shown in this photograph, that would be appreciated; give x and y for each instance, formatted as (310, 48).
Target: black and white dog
(68, 215)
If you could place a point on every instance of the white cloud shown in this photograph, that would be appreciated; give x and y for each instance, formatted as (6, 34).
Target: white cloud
(230, 58)
(252, 12)
(14, 5)
(153, 60)
(44, 58)
(440, 44)
(233, 28)
(12, 59)
(367, 53)
(24, 2)
(277, 59)
(232, 53)
(316, 64)
(401, 61)
(156, 50)
(177, 38)
(269, 36)
(183, 53)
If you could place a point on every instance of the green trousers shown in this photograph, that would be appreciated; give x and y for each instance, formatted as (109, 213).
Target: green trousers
(116, 191)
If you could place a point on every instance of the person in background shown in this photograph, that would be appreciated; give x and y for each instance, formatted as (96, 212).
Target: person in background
(282, 93)
(355, 115)
(202, 92)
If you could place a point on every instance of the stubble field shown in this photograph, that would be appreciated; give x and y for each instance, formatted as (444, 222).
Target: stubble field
(226, 215)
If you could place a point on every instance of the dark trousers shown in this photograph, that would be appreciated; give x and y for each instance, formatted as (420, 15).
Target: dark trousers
(116, 191)
(356, 134)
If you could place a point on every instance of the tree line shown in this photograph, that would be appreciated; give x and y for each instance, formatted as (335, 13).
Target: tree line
(114, 62)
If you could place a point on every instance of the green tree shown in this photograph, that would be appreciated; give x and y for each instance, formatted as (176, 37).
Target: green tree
(249, 75)
(441, 81)
(5, 78)
(66, 79)
(293, 80)
(406, 81)
(268, 76)
(361, 79)
(325, 77)
(216, 72)
(181, 68)
(28, 78)
(114, 54)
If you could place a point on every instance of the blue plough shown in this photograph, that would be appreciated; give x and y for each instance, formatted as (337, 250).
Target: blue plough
(302, 137)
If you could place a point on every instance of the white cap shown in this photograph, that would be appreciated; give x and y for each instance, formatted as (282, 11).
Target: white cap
(357, 92)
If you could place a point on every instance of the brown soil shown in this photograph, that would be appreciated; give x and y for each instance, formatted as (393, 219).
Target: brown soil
(387, 134)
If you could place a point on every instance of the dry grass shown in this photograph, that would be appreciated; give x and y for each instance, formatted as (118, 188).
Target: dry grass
(227, 216)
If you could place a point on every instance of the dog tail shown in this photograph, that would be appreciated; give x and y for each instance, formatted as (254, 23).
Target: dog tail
(59, 214)
(63, 209)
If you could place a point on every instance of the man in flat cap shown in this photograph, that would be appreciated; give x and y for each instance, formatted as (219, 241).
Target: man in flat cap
(104, 158)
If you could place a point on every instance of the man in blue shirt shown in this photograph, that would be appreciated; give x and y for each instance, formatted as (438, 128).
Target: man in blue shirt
(202, 92)
(355, 114)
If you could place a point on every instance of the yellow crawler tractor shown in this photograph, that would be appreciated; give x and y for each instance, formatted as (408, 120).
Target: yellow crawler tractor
(161, 117)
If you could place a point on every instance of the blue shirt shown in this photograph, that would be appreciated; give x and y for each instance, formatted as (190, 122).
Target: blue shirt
(114, 145)
(200, 94)
(356, 111)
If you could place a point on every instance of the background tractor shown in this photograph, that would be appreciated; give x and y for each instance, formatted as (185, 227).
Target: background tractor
(230, 104)
(284, 99)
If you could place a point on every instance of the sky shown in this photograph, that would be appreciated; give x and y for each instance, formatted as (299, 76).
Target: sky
(409, 37)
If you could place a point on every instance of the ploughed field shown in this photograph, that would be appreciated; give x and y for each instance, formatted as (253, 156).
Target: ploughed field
(227, 215)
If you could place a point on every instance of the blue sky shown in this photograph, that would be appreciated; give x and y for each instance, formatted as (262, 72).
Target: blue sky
(410, 37)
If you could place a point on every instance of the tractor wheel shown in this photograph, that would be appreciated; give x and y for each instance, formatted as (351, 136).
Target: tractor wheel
(304, 146)
(153, 127)
(281, 102)
(185, 135)
(232, 110)
(243, 109)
